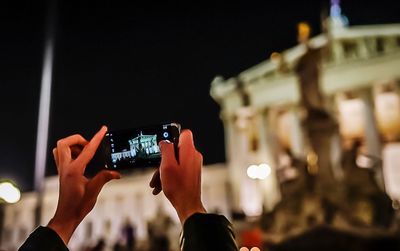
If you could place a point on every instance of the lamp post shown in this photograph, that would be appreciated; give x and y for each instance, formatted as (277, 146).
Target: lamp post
(9, 194)
(44, 108)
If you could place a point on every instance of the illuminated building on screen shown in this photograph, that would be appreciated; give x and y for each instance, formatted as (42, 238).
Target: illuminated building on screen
(323, 114)
(141, 146)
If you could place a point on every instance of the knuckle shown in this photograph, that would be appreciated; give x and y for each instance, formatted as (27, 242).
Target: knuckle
(60, 142)
(77, 135)
(199, 155)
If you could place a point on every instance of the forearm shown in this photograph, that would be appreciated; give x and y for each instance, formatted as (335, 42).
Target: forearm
(208, 232)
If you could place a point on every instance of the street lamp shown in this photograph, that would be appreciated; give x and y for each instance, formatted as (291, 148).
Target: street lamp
(9, 192)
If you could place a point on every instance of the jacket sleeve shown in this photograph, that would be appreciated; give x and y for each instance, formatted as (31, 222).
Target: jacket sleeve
(43, 239)
(207, 232)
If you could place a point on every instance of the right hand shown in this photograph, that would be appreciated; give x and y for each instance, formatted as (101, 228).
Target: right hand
(181, 182)
(77, 194)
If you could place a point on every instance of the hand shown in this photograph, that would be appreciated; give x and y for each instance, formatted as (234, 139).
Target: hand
(181, 182)
(77, 194)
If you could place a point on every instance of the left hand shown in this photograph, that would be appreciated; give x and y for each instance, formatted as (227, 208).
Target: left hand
(77, 194)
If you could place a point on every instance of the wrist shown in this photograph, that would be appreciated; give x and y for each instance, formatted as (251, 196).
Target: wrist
(63, 228)
(184, 213)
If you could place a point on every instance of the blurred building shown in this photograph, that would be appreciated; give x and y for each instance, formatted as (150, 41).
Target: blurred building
(349, 73)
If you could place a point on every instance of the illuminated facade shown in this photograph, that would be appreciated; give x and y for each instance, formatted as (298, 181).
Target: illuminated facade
(145, 143)
(262, 108)
(143, 146)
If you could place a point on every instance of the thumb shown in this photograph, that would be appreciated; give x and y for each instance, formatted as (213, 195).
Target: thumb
(167, 154)
(95, 185)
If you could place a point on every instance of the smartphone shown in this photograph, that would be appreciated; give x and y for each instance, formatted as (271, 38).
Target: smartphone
(138, 147)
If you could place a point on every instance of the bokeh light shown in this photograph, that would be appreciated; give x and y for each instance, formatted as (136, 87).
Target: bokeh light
(9, 192)
(252, 171)
(261, 171)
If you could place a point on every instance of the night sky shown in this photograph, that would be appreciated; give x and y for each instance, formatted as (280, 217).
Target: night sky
(130, 65)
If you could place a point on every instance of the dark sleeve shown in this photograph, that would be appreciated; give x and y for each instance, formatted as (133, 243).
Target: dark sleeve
(43, 239)
(208, 232)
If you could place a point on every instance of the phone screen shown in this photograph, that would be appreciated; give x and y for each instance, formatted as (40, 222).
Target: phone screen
(138, 147)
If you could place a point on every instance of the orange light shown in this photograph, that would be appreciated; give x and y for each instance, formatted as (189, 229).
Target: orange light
(275, 56)
(303, 30)
(312, 158)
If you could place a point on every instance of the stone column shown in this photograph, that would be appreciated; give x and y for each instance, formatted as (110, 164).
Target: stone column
(229, 137)
(336, 142)
(362, 48)
(372, 45)
(234, 141)
(270, 190)
(264, 149)
(390, 44)
(296, 134)
(372, 139)
(337, 51)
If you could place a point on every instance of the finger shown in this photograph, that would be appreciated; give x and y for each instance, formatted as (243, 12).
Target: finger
(186, 146)
(90, 149)
(156, 190)
(95, 185)
(186, 138)
(155, 180)
(63, 146)
(167, 154)
(199, 159)
(55, 155)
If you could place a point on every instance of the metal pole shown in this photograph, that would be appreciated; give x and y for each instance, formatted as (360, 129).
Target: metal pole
(44, 109)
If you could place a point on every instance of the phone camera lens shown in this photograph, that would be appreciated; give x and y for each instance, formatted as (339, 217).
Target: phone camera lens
(166, 134)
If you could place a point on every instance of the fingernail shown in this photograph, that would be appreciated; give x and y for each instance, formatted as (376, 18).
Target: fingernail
(166, 141)
(162, 143)
(104, 128)
(115, 175)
